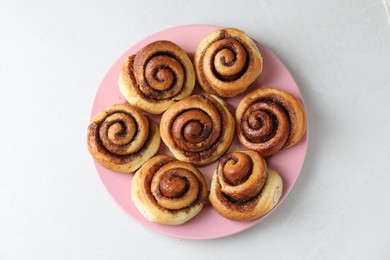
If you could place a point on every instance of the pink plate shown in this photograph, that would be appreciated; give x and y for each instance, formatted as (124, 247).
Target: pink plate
(208, 224)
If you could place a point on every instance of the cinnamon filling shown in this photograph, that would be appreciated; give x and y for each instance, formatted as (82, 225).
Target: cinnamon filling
(121, 158)
(226, 60)
(262, 121)
(235, 205)
(164, 76)
(198, 138)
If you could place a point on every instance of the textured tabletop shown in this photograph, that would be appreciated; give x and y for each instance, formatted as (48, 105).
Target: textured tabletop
(54, 54)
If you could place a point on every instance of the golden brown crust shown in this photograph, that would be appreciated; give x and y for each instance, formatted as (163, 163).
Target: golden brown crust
(269, 119)
(168, 191)
(121, 138)
(243, 188)
(157, 76)
(227, 62)
(198, 129)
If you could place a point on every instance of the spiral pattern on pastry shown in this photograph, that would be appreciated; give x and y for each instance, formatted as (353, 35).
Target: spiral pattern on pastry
(243, 188)
(157, 76)
(227, 62)
(198, 129)
(121, 138)
(269, 120)
(168, 191)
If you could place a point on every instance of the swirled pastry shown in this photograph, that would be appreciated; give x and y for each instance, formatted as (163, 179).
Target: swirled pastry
(268, 120)
(198, 129)
(157, 76)
(227, 62)
(168, 191)
(243, 188)
(122, 138)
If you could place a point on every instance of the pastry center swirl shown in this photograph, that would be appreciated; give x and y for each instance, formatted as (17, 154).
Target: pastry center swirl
(175, 188)
(194, 131)
(229, 59)
(173, 185)
(237, 168)
(122, 131)
(261, 121)
(119, 133)
(164, 78)
(160, 75)
(240, 176)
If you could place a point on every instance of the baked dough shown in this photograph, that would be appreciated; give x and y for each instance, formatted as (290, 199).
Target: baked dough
(198, 129)
(157, 76)
(227, 62)
(121, 138)
(168, 191)
(269, 120)
(243, 188)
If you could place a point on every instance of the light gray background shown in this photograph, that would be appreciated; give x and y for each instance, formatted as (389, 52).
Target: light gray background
(53, 56)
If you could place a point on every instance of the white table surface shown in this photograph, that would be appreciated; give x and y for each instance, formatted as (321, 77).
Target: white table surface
(53, 56)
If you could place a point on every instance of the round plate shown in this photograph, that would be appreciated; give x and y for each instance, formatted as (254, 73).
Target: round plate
(208, 224)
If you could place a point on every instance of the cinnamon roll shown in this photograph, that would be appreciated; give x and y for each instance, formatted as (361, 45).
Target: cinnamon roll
(268, 120)
(157, 76)
(198, 129)
(121, 138)
(227, 62)
(243, 188)
(168, 191)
